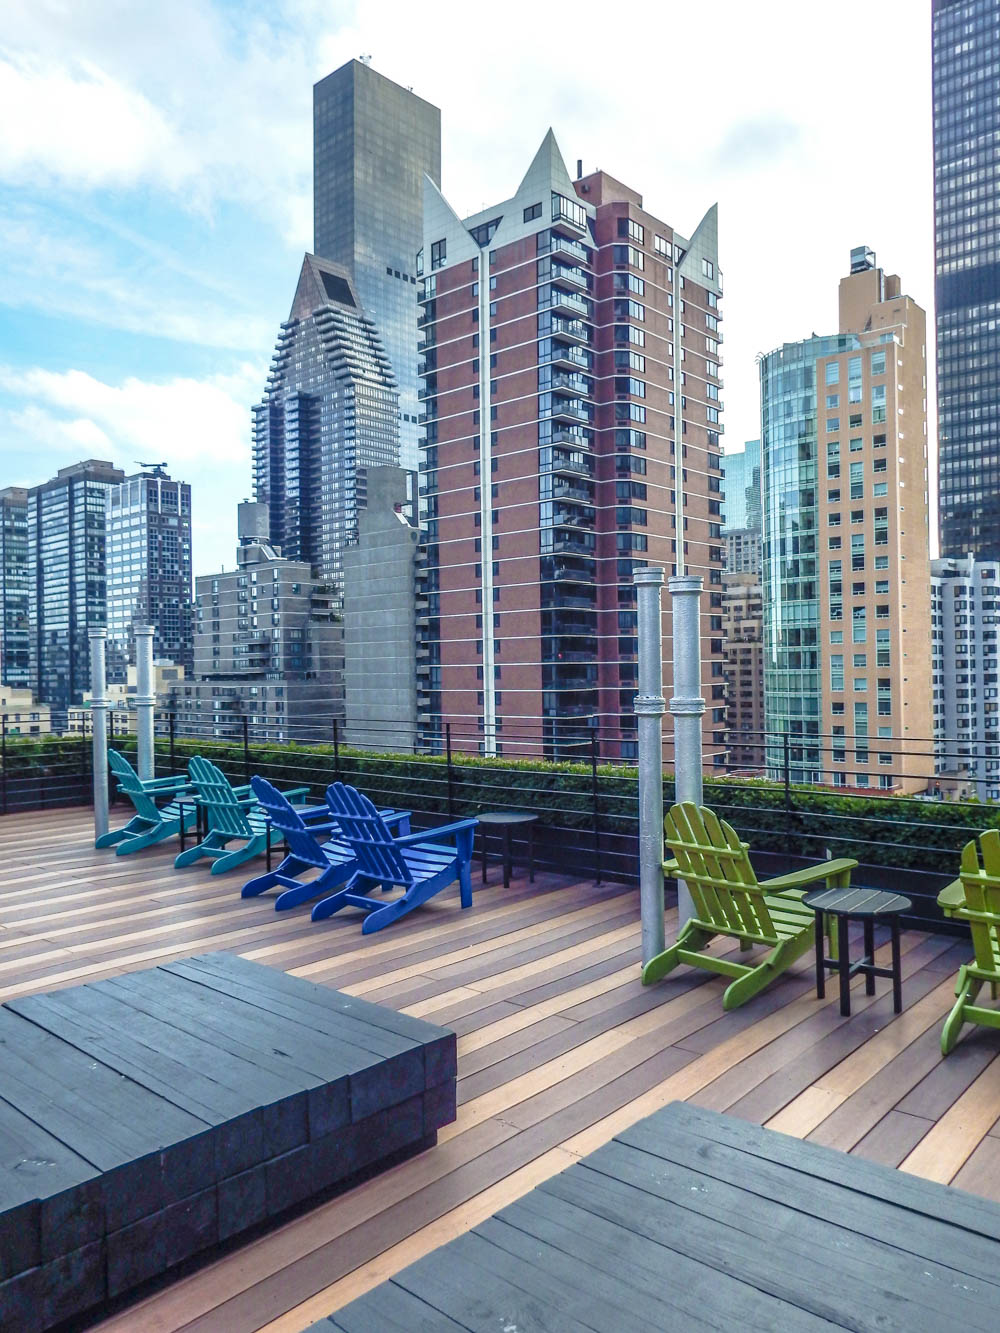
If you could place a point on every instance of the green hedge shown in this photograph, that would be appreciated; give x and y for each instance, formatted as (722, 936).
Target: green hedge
(880, 830)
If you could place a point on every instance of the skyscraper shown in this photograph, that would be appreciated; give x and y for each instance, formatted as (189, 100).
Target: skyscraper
(15, 638)
(741, 487)
(846, 564)
(966, 55)
(373, 142)
(549, 472)
(149, 569)
(329, 411)
(67, 583)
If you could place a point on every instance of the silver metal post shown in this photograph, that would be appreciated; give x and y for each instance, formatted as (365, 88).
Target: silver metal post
(649, 709)
(686, 704)
(145, 701)
(99, 726)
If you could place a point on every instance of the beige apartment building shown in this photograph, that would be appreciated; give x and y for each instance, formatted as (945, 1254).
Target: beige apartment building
(742, 612)
(846, 569)
(121, 701)
(21, 714)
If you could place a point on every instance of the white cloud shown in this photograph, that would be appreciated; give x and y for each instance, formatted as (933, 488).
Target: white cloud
(201, 428)
(74, 123)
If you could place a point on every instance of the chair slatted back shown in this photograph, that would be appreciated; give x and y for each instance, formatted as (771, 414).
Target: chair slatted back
(370, 840)
(222, 806)
(301, 842)
(716, 868)
(131, 784)
(981, 885)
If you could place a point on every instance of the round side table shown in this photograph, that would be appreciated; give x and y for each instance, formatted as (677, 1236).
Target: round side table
(866, 906)
(505, 822)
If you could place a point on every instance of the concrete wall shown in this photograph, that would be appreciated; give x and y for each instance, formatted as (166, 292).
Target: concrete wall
(380, 620)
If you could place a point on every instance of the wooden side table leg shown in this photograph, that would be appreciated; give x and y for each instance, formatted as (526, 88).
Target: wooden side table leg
(897, 974)
(869, 927)
(531, 853)
(845, 967)
(482, 849)
(820, 963)
(506, 856)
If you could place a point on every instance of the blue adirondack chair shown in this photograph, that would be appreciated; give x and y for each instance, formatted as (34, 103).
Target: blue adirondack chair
(151, 822)
(231, 814)
(417, 863)
(303, 831)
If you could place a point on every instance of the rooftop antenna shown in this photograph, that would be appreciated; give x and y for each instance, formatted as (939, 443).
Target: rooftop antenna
(365, 60)
(157, 469)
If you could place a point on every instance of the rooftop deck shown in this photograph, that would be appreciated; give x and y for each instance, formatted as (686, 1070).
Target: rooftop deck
(560, 1048)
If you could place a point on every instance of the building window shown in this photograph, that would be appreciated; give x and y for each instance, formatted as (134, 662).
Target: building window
(439, 253)
(532, 212)
(833, 372)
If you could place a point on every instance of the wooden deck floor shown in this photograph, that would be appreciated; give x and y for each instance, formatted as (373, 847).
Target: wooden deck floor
(559, 1049)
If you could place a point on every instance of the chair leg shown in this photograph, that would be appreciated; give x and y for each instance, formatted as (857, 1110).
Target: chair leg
(690, 937)
(233, 859)
(288, 868)
(465, 883)
(966, 991)
(760, 977)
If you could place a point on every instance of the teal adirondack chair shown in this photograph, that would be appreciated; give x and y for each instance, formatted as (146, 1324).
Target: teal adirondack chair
(231, 814)
(729, 900)
(151, 823)
(980, 906)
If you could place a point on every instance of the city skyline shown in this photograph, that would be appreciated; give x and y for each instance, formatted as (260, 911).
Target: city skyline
(145, 274)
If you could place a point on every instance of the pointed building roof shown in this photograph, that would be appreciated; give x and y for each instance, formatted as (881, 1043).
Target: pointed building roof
(322, 283)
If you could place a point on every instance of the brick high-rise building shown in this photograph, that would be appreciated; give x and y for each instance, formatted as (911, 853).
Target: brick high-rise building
(549, 473)
(742, 611)
(846, 565)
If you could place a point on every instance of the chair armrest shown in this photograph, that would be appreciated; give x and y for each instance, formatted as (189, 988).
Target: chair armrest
(306, 812)
(809, 875)
(951, 897)
(670, 869)
(395, 816)
(430, 834)
(244, 789)
(289, 792)
(165, 784)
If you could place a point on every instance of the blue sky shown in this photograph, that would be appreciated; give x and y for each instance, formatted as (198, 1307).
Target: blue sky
(155, 186)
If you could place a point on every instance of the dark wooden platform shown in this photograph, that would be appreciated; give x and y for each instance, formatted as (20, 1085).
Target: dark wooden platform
(696, 1220)
(148, 1117)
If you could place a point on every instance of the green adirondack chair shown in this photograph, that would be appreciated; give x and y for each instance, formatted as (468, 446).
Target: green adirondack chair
(728, 900)
(151, 822)
(231, 814)
(980, 906)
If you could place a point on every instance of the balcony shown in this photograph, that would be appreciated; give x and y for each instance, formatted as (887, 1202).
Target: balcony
(570, 541)
(573, 516)
(568, 215)
(569, 409)
(572, 383)
(569, 302)
(570, 275)
(570, 571)
(568, 355)
(571, 330)
(564, 490)
(562, 244)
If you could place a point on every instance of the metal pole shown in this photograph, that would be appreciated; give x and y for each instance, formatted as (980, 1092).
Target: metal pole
(99, 728)
(246, 749)
(595, 810)
(451, 786)
(649, 710)
(686, 704)
(145, 701)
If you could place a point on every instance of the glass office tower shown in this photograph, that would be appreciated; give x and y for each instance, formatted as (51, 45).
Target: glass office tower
(966, 38)
(15, 639)
(149, 570)
(67, 588)
(373, 142)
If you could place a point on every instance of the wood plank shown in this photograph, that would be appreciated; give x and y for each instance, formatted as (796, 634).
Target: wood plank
(945, 1149)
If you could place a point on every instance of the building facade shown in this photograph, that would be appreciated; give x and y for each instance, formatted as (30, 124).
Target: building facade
(328, 413)
(149, 570)
(373, 143)
(743, 550)
(549, 470)
(966, 613)
(268, 648)
(846, 570)
(380, 608)
(742, 614)
(966, 66)
(15, 636)
(21, 714)
(741, 488)
(67, 585)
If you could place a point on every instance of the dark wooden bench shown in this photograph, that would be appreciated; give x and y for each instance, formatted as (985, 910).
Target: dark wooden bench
(150, 1117)
(698, 1221)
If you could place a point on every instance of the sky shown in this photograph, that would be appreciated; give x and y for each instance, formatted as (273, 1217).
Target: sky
(156, 186)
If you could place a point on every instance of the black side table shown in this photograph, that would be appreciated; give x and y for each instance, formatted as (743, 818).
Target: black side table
(505, 821)
(867, 906)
